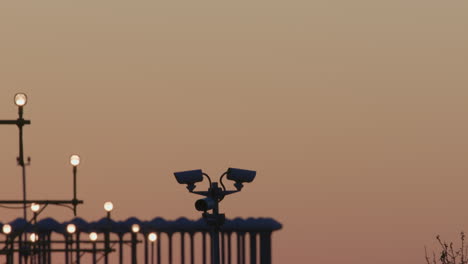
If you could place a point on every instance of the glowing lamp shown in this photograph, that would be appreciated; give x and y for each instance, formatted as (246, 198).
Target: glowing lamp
(33, 237)
(108, 206)
(93, 236)
(75, 160)
(7, 229)
(35, 207)
(21, 99)
(135, 228)
(152, 237)
(71, 228)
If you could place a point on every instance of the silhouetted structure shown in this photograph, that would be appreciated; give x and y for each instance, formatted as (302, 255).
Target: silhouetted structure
(256, 232)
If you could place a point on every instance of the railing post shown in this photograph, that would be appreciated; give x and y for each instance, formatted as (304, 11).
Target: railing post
(158, 246)
(204, 246)
(182, 247)
(265, 247)
(192, 249)
(253, 247)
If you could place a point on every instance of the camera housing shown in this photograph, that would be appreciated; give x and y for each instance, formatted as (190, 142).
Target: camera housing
(189, 177)
(205, 204)
(239, 175)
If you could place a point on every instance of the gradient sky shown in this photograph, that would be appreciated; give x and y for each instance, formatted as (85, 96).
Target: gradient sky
(354, 114)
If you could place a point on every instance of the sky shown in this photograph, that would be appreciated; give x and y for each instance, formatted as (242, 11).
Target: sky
(353, 114)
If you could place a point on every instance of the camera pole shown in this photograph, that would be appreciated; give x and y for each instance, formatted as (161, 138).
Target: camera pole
(214, 220)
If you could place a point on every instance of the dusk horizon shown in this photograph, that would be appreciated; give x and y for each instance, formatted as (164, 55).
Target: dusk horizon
(352, 114)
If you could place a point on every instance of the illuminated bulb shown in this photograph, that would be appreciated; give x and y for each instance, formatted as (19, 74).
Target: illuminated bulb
(71, 228)
(135, 228)
(35, 207)
(108, 206)
(20, 99)
(93, 236)
(6, 229)
(75, 160)
(33, 237)
(152, 237)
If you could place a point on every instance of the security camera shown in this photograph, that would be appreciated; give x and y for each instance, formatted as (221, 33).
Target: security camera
(239, 175)
(205, 204)
(189, 178)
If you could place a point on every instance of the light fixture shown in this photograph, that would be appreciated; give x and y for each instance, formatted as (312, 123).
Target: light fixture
(75, 160)
(135, 228)
(33, 237)
(152, 237)
(108, 206)
(21, 99)
(35, 207)
(6, 229)
(93, 236)
(71, 228)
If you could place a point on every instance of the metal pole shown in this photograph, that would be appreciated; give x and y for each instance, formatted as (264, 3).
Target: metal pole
(204, 247)
(146, 248)
(74, 190)
(158, 245)
(134, 248)
(182, 247)
(78, 248)
(152, 252)
(121, 248)
(253, 248)
(94, 253)
(192, 249)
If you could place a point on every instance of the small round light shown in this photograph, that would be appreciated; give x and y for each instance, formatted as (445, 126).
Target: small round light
(135, 228)
(21, 99)
(152, 237)
(35, 207)
(75, 160)
(71, 228)
(33, 237)
(108, 206)
(93, 236)
(7, 229)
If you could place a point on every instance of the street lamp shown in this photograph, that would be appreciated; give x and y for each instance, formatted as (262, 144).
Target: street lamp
(135, 230)
(71, 229)
(74, 161)
(108, 207)
(20, 100)
(213, 196)
(35, 209)
(33, 237)
(6, 229)
(152, 237)
(93, 236)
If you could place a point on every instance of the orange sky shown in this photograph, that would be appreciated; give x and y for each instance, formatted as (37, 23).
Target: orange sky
(354, 114)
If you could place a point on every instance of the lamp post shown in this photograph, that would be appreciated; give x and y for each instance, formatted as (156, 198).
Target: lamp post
(135, 230)
(33, 237)
(108, 207)
(214, 196)
(93, 236)
(6, 229)
(74, 161)
(20, 100)
(152, 237)
(71, 229)
(35, 209)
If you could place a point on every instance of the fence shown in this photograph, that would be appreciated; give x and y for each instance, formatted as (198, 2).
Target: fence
(181, 241)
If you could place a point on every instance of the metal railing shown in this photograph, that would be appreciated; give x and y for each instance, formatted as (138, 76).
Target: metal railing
(242, 241)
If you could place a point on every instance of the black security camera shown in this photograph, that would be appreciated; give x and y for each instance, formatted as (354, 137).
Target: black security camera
(240, 176)
(189, 178)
